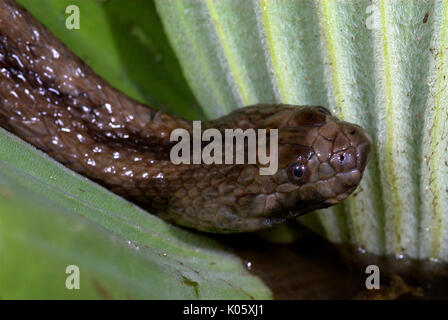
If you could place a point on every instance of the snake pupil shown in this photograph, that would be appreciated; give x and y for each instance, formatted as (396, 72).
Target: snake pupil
(298, 171)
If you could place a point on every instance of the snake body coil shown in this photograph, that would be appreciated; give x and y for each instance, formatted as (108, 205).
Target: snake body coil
(51, 99)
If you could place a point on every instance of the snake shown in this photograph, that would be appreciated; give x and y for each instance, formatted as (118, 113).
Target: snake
(51, 99)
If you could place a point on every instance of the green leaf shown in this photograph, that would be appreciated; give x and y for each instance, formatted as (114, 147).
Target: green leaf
(50, 217)
(381, 64)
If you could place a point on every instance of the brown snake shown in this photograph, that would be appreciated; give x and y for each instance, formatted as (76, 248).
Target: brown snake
(51, 99)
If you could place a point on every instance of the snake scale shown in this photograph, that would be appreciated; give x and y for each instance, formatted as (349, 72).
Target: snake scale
(52, 100)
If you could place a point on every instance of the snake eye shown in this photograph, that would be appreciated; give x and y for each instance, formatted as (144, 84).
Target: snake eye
(323, 110)
(297, 171)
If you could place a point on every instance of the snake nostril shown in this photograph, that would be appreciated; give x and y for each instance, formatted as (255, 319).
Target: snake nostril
(345, 160)
(352, 132)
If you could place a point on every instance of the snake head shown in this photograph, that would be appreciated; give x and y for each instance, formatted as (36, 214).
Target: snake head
(321, 158)
(320, 162)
